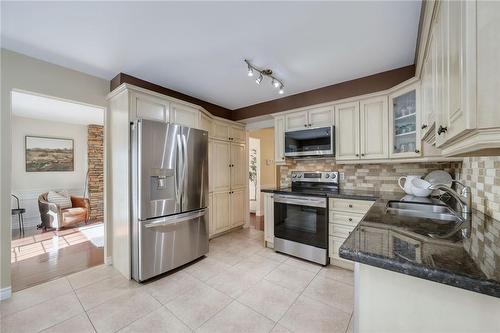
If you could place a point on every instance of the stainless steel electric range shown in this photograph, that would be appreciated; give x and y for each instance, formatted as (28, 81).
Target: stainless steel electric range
(301, 216)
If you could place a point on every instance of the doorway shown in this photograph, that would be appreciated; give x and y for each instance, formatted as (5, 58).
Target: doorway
(57, 188)
(262, 171)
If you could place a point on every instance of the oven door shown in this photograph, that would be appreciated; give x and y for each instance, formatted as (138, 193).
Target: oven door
(301, 219)
(310, 142)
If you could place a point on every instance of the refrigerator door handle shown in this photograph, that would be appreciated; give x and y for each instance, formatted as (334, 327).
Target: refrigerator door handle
(184, 167)
(179, 171)
(176, 219)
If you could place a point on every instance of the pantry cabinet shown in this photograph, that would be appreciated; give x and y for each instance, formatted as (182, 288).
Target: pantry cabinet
(219, 161)
(237, 210)
(221, 207)
(279, 140)
(184, 115)
(238, 167)
(317, 117)
(404, 115)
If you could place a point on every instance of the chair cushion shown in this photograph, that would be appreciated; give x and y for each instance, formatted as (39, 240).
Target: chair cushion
(73, 215)
(61, 198)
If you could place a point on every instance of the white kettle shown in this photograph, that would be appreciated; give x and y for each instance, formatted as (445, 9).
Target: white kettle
(407, 187)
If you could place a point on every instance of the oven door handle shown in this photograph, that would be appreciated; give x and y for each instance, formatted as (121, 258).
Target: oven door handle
(302, 201)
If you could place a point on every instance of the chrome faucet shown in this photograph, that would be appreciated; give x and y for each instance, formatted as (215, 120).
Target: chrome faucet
(464, 199)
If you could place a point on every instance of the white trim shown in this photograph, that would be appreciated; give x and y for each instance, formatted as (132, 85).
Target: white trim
(473, 141)
(5, 293)
(402, 160)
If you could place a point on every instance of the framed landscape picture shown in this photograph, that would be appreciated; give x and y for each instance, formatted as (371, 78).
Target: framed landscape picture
(49, 154)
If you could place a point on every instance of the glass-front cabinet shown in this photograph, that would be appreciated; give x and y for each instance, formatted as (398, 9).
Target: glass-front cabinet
(404, 117)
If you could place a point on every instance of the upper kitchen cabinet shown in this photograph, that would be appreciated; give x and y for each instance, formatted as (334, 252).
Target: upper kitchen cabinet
(404, 134)
(148, 107)
(237, 134)
(318, 117)
(205, 123)
(184, 115)
(374, 123)
(226, 131)
(279, 140)
(347, 131)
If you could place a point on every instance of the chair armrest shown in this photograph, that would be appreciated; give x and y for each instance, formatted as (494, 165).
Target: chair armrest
(49, 206)
(80, 202)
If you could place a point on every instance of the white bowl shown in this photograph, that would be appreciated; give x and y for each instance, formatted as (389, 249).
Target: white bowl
(420, 187)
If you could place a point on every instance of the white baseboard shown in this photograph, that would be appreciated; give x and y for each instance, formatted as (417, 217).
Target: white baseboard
(5, 293)
(108, 261)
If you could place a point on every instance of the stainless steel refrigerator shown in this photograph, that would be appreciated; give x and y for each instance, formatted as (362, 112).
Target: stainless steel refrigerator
(169, 196)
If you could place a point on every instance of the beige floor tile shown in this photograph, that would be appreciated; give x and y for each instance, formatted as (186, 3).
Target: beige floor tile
(268, 299)
(43, 315)
(303, 264)
(103, 290)
(198, 305)
(308, 315)
(280, 329)
(206, 268)
(160, 320)
(331, 292)
(270, 254)
(119, 312)
(237, 318)
(91, 275)
(257, 265)
(169, 287)
(233, 282)
(35, 295)
(77, 324)
(337, 273)
(290, 277)
(226, 257)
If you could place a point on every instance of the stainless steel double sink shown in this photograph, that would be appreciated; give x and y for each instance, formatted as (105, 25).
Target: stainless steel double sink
(423, 210)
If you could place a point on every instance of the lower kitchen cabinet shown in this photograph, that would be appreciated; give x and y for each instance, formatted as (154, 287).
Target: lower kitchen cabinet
(269, 219)
(227, 210)
(237, 208)
(221, 207)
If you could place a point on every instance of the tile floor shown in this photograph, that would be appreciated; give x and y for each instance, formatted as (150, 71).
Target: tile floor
(239, 287)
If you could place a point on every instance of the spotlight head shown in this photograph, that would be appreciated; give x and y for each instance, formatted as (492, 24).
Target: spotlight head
(281, 92)
(276, 84)
(250, 71)
(259, 79)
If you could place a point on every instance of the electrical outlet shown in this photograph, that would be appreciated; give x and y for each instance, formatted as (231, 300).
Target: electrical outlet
(341, 175)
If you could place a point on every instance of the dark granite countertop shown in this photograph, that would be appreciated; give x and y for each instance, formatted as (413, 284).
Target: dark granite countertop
(465, 256)
(341, 193)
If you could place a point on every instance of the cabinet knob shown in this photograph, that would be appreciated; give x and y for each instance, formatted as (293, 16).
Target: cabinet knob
(417, 151)
(357, 155)
(423, 126)
(305, 125)
(350, 206)
(362, 154)
(283, 158)
(442, 129)
(310, 125)
(350, 219)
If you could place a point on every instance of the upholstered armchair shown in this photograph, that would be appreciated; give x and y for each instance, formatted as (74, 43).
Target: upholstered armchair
(54, 217)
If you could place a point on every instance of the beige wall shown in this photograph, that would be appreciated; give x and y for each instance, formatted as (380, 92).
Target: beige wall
(267, 172)
(25, 73)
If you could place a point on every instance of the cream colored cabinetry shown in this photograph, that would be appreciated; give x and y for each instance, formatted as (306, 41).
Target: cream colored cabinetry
(211, 220)
(221, 207)
(279, 140)
(347, 131)
(149, 107)
(219, 165)
(344, 215)
(237, 134)
(226, 131)
(184, 115)
(404, 123)
(205, 123)
(361, 129)
(238, 168)
(318, 117)
(269, 219)
(237, 210)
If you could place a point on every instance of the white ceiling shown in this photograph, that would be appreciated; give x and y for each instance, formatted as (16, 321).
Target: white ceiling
(40, 107)
(198, 47)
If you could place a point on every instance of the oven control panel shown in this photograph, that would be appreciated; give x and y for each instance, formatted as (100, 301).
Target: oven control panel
(319, 177)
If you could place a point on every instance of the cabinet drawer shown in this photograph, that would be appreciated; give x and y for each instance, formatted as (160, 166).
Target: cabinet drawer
(348, 205)
(339, 230)
(334, 245)
(351, 219)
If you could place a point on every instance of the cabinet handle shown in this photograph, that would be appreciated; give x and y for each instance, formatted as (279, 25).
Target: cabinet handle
(350, 206)
(417, 151)
(310, 125)
(423, 126)
(350, 219)
(357, 155)
(362, 154)
(442, 129)
(305, 125)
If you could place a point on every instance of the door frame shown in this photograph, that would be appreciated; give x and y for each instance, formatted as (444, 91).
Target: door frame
(257, 210)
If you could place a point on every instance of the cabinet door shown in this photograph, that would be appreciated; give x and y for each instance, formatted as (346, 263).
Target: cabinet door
(220, 130)
(427, 95)
(184, 115)
(221, 211)
(205, 123)
(238, 211)
(237, 134)
(211, 220)
(321, 117)
(149, 107)
(347, 131)
(239, 169)
(404, 135)
(296, 121)
(279, 140)
(221, 159)
(269, 217)
(374, 240)
(374, 128)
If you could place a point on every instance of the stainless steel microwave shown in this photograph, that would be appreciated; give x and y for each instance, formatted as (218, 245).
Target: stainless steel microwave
(310, 142)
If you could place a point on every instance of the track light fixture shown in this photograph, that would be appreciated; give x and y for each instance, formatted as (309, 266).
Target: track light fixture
(275, 82)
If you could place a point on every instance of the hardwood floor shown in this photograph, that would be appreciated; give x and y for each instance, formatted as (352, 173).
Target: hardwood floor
(42, 256)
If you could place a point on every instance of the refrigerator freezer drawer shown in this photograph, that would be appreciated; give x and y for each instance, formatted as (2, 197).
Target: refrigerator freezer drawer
(169, 242)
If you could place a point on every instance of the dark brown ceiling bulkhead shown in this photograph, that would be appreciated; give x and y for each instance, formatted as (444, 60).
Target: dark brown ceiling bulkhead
(356, 87)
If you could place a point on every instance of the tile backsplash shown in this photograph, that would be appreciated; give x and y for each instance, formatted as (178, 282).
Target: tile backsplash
(379, 177)
(482, 174)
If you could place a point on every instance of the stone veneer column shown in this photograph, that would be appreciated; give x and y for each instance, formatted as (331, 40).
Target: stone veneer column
(95, 157)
